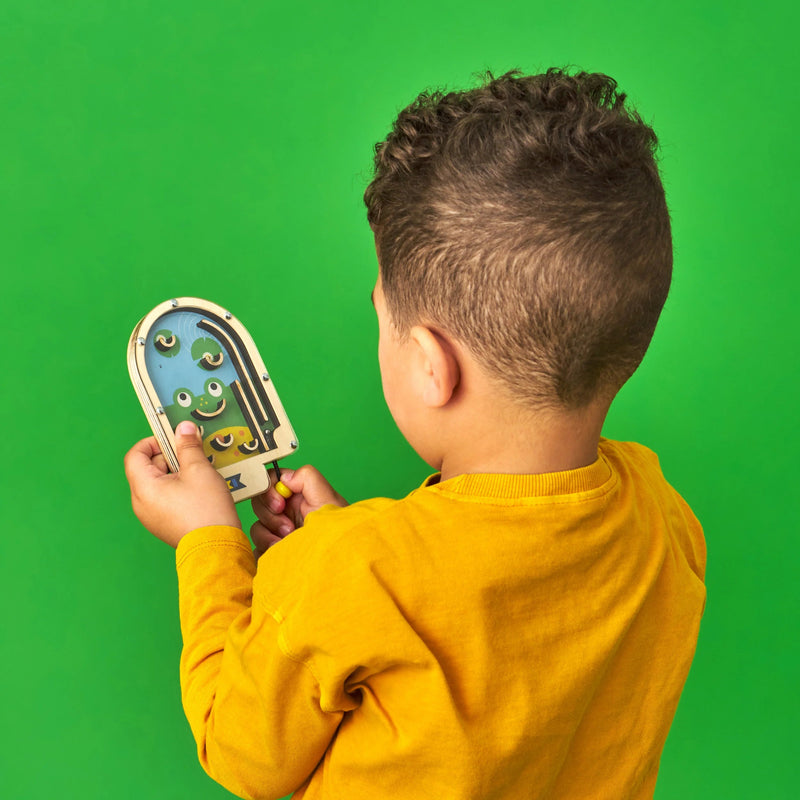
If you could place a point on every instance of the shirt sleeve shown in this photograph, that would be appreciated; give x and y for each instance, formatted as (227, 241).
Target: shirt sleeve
(254, 711)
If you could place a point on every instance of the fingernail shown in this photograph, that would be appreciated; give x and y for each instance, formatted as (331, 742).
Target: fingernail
(285, 530)
(274, 504)
(186, 428)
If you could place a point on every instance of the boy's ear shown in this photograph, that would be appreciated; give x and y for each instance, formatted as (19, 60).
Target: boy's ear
(437, 367)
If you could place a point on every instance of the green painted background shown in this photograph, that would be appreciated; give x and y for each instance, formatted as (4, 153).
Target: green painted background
(156, 149)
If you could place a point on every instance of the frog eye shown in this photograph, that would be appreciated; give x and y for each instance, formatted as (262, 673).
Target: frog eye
(214, 388)
(222, 443)
(210, 362)
(166, 343)
(183, 398)
(248, 448)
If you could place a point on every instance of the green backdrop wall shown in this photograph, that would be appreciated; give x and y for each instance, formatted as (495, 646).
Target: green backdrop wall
(157, 149)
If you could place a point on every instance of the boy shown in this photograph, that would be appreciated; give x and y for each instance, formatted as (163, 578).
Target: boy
(522, 625)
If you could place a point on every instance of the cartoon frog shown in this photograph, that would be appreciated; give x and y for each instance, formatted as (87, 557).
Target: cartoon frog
(224, 430)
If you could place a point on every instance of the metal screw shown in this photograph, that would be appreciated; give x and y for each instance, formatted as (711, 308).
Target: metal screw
(173, 303)
(265, 377)
(293, 444)
(140, 340)
(159, 409)
(228, 315)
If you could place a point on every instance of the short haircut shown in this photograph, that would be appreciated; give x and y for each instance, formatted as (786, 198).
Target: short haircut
(526, 218)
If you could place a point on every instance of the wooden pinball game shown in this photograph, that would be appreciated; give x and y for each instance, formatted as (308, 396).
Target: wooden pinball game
(190, 359)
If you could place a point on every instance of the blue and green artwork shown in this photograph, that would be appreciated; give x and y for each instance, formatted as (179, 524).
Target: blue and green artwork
(202, 372)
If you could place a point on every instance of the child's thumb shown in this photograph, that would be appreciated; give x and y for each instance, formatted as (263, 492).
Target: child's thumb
(309, 482)
(189, 445)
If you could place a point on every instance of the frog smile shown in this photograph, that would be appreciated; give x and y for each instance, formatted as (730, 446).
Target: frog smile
(201, 415)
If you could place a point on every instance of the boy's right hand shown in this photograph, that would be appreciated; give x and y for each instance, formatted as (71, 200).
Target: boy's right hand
(278, 517)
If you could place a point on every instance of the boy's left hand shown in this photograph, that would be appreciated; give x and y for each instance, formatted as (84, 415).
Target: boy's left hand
(170, 505)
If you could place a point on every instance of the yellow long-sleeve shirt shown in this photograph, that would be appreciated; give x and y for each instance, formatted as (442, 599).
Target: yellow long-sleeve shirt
(490, 636)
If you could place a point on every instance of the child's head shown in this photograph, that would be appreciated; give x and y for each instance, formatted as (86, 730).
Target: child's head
(527, 220)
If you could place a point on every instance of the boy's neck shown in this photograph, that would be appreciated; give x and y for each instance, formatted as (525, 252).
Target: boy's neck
(461, 420)
(504, 439)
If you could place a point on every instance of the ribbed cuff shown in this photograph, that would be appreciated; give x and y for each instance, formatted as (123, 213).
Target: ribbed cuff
(210, 536)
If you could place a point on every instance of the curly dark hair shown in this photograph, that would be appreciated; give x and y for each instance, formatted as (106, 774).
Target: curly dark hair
(527, 219)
